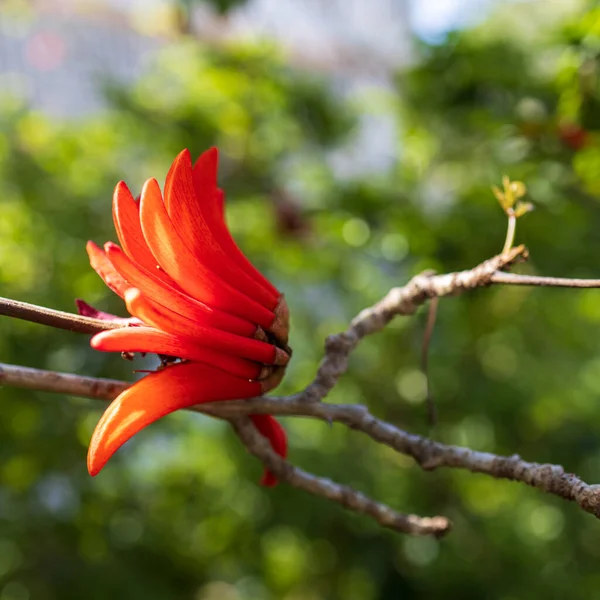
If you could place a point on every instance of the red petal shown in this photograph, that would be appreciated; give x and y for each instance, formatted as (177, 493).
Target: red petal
(185, 211)
(85, 310)
(205, 172)
(167, 296)
(126, 216)
(148, 339)
(179, 185)
(190, 272)
(205, 178)
(270, 428)
(220, 201)
(167, 320)
(157, 395)
(104, 267)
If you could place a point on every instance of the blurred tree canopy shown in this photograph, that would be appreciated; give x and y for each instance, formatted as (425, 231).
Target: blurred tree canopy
(178, 513)
(221, 6)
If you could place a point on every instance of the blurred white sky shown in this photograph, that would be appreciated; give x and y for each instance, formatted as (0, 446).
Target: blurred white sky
(430, 18)
(55, 65)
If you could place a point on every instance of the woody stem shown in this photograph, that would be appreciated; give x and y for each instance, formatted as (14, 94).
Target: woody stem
(54, 318)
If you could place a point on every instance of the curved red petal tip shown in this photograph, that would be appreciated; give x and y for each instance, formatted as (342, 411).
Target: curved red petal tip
(175, 181)
(210, 201)
(271, 429)
(207, 164)
(185, 154)
(103, 266)
(126, 217)
(108, 246)
(85, 310)
(149, 339)
(121, 189)
(154, 397)
(268, 479)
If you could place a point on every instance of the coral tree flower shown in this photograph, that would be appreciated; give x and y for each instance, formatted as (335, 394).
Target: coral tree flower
(219, 325)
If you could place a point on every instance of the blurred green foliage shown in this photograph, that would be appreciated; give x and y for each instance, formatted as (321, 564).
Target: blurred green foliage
(221, 6)
(178, 512)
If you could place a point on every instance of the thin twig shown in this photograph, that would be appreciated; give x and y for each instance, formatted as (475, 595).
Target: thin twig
(518, 279)
(442, 285)
(510, 230)
(398, 301)
(61, 383)
(320, 486)
(107, 389)
(54, 318)
(428, 453)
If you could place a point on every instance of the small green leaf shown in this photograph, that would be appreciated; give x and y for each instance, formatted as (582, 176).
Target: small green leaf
(518, 188)
(512, 191)
(499, 196)
(522, 208)
(509, 197)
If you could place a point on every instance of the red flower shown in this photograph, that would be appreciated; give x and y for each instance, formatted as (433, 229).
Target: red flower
(573, 135)
(195, 299)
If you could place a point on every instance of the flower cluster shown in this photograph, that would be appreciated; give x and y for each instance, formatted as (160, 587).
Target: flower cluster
(219, 326)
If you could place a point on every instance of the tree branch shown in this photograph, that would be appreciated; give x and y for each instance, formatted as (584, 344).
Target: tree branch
(537, 280)
(107, 389)
(54, 318)
(428, 453)
(258, 446)
(398, 301)
(61, 383)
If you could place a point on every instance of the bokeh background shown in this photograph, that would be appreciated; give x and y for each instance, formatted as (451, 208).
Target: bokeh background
(359, 142)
